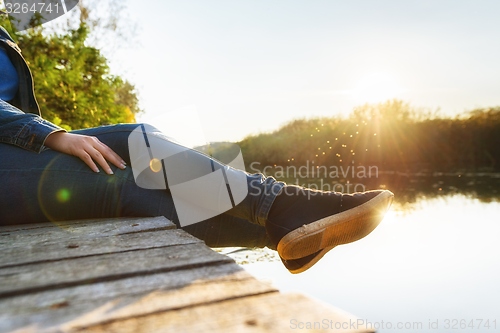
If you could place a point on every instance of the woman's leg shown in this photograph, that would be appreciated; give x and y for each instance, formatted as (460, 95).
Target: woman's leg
(302, 224)
(51, 186)
(260, 191)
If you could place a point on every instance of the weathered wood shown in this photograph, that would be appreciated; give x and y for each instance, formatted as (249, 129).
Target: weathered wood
(138, 275)
(85, 270)
(273, 312)
(83, 228)
(81, 306)
(74, 246)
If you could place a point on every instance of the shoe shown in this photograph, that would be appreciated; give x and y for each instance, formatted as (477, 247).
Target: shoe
(303, 222)
(300, 265)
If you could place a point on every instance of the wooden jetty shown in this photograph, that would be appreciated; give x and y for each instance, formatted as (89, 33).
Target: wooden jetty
(140, 275)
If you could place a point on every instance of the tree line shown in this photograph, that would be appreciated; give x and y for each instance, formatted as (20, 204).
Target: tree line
(393, 136)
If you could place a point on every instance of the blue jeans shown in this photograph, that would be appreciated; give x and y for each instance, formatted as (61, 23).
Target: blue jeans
(52, 186)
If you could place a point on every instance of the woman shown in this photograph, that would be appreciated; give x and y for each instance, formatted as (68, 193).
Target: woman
(49, 174)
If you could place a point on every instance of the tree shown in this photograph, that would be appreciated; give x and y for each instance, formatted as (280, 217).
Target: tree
(73, 83)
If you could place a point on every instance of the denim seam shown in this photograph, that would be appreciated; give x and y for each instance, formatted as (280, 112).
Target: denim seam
(268, 201)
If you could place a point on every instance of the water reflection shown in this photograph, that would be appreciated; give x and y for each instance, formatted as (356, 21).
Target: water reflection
(410, 188)
(433, 258)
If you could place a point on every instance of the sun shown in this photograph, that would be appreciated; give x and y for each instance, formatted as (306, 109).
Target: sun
(376, 88)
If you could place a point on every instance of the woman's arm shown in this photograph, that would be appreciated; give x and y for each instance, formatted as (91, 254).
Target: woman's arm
(31, 132)
(24, 130)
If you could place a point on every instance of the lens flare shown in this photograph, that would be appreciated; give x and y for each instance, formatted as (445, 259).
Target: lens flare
(63, 195)
(155, 165)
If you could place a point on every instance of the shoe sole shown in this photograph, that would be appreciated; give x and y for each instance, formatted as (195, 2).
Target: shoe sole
(309, 264)
(342, 228)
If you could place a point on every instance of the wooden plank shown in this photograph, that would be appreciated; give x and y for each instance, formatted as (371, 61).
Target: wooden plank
(81, 306)
(72, 246)
(135, 276)
(118, 288)
(272, 312)
(97, 227)
(36, 277)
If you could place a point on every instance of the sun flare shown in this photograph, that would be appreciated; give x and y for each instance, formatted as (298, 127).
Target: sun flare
(375, 88)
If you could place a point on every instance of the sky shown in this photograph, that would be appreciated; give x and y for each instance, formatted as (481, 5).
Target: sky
(219, 70)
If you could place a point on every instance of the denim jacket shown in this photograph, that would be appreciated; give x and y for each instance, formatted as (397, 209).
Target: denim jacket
(20, 119)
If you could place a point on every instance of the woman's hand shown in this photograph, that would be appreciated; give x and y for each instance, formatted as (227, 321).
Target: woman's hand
(88, 148)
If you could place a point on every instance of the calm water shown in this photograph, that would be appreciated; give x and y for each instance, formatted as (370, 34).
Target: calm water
(431, 266)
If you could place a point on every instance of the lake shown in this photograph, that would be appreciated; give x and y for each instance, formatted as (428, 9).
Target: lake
(431, 266)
